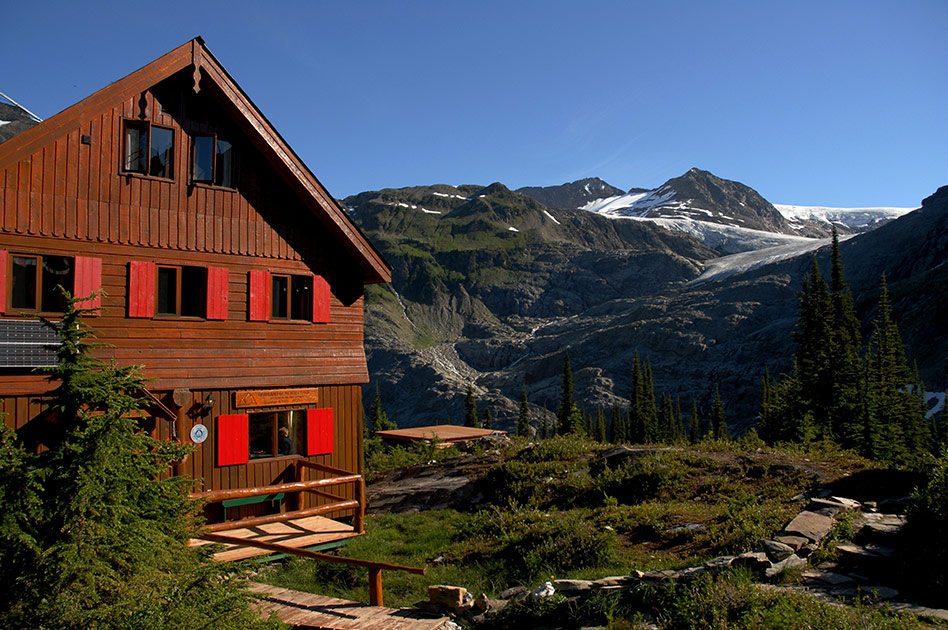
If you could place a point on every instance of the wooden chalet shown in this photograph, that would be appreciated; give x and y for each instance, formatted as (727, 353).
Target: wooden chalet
(227, 271)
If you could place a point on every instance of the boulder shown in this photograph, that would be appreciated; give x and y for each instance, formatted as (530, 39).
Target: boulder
(776, 550)
(788, 563)
(571, 588)
(810, 525)
(794, 542)
(455, 598)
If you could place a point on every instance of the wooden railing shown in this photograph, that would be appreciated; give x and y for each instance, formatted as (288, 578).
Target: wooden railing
(299, 486)
(315, 486)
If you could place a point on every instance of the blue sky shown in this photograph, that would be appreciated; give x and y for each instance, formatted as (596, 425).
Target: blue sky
(837, 103)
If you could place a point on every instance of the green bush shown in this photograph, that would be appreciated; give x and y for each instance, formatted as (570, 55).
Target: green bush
(925, 534)
(651, 477)
(529, 545)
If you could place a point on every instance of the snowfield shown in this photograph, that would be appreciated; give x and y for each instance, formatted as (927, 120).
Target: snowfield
(859, 218)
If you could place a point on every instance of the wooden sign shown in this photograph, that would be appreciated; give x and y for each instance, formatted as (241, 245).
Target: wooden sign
(276, 397)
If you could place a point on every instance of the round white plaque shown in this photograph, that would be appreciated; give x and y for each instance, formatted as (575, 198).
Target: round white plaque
(198, 433)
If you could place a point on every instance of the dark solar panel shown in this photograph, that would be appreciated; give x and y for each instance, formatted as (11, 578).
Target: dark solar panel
(27, 343)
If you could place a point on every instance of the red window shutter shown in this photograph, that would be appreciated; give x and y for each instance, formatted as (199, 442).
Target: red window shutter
(3, 281)
(258, 309)
(217, 292)
(320, 300)
(233, 439)
(141, 289)
(88, 280)
(319, 434)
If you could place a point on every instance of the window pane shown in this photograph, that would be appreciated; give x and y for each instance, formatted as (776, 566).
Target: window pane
(224, 175)
(167, 290)
(278, 296)
(193, 291)
(290, 431)
(202, 170)
(301, 301)
(57, 270)
(136, 148)
(162, 152)
(261, 435)
(24, 283)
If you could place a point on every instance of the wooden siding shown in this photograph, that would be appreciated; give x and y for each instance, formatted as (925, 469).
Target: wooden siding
(344, 400)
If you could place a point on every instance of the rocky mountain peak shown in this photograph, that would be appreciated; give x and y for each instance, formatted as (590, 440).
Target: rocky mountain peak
(573, 194)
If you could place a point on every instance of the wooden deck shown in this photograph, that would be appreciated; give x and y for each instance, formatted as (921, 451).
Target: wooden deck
(306, 610)
(299, 532)
(444, 433)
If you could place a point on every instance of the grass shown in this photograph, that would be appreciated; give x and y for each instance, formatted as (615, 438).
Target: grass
(547, 515)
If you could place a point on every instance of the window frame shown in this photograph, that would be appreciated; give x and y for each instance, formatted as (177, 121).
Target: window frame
(145, 129)
(38, 281)
(216, 179)
(200, 288)
(302, 299)
(299, 428)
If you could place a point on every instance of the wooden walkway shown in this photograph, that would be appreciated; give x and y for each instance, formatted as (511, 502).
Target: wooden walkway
(305, 610)
(299, 532)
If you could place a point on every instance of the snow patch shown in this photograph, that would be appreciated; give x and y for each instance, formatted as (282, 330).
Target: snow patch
(850, 217)
(512, 229)
(552, 218)
(939, 398)
(5, 122)
(426, 211)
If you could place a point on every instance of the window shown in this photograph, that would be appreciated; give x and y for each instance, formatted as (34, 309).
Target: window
(177, 290)
(181, 291)
(276, 433)
(149, 149)
(212, 161)
(291, 297)
(33, 282)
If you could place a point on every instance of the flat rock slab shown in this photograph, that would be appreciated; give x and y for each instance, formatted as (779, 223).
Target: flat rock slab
(810, 525)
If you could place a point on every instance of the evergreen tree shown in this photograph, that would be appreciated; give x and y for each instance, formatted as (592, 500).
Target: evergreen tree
(470, 408)
(814, 341)
(488, 419)
(568, 412)
(523, 419)
(617, 433)
(94, 533)
(844, 367)
(546, 428)
(378, 420)
(636, 427)
(718, 417)
(649, 409)
(900, 432)
(600, 433)
(666, 433)
(694, 431)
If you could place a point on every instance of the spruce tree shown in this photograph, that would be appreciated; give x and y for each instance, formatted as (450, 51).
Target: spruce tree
(718, 417)
(95, 533)
(694, 431)
(844, 368)
(649, 409)
(636, 426)
(488, 419)
(567, 412)
(600, 433)
(814, 340)
(378, 420)
(617, 434)
(470, 408)
(523, 419)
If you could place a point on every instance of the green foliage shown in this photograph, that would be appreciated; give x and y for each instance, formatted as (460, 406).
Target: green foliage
(94, 536)
(568, 415)
(527, 545)
(378, 419)
(718, 418)
(523, 418)
(652, 477)
(925, 534)
(380, 457)
(470, 408)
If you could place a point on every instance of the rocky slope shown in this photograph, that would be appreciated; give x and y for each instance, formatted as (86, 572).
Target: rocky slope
(491, 287)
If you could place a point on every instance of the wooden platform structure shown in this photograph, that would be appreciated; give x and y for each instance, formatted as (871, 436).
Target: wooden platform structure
(445, 434)
(305, 610)
(296, 533)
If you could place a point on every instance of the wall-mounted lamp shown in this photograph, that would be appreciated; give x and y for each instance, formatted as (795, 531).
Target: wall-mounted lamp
(207, 406)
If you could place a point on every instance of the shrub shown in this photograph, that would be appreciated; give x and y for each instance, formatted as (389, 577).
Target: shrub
(925, 534)
(648, 478)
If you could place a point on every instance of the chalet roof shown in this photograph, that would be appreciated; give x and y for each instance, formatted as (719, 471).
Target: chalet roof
(209, 74)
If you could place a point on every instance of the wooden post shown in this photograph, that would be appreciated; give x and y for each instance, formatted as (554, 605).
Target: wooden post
(375, 586)
(182, 429)
(358, 522)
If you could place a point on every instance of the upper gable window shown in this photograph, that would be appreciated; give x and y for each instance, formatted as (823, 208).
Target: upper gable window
(212, 161)
(149, 149)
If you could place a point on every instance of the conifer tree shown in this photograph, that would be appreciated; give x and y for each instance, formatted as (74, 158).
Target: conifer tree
(378, 420)
(94, 533)
(617, 433)
(600, 433)
(718, 417)
(470, 408)
(488, 419)
(844, 369)
(636, 426)
(567, 413)
(523, 419)
(814, 341)
(649, 409)
(694, 432)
